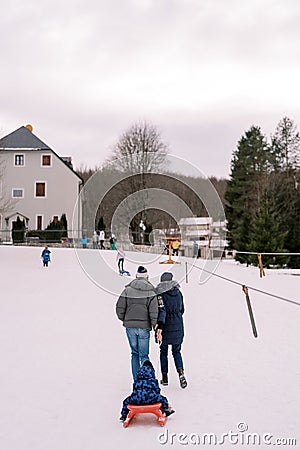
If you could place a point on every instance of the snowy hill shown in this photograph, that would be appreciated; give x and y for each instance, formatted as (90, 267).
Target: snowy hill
(65, 360)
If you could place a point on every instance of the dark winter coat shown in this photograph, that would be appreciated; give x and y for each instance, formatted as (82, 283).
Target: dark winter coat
(137, 305)
(170, 317)
(145, 391)
(46, 255)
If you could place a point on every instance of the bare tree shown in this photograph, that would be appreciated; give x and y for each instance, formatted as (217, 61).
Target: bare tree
(6, 203)
(139, 151)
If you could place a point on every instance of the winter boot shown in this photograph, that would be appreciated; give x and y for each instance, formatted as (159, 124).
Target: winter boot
(164, 380)
(182, 380)
(169, 411)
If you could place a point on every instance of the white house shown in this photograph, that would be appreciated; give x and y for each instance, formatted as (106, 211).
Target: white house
(36, 184)
(197, 229)
(210, 236)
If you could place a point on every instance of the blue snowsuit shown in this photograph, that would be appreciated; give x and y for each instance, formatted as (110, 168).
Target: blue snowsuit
(145, 391)
(46, 256)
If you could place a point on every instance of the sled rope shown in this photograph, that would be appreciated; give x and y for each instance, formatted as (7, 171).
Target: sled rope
(252, 288)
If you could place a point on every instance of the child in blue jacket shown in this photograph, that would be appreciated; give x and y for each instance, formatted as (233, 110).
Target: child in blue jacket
(46, 256)
(146, 391)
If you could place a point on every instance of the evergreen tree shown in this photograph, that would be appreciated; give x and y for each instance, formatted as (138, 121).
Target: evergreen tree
(266, 236)
(285, 185)
(286, 146)
(64, 224)
(250, 166)
(18, 230)
(56, 230)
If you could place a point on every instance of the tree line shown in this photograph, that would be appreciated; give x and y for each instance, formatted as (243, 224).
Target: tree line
(140, 155)
(261, 197)
(262, 200)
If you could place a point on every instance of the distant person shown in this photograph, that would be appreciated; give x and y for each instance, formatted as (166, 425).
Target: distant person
(175, 247)
(84, 241)
(146, 391)
(112, 242)
(120, 259)
(170, 322)
(195, 249)
(95, 240)
(137, 307)
(102, 239)
(45, 256)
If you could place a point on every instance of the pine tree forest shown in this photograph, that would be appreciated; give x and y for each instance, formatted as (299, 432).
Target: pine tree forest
(263, 196)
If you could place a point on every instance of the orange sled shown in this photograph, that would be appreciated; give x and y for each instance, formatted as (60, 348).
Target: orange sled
(141, 409)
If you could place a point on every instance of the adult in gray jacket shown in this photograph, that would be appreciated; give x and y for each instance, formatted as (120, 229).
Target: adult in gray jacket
(137, 307)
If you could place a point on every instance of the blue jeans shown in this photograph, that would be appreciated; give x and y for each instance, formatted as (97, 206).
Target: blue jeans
(176, 352)
(139, 339)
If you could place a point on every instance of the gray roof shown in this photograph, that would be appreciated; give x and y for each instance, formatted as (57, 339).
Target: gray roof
(22, 138)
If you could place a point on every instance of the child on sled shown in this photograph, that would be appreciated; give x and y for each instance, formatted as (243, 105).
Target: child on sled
(146, 391)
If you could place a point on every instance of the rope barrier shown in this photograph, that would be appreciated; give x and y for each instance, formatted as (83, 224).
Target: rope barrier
(270, 254)
(249, 287)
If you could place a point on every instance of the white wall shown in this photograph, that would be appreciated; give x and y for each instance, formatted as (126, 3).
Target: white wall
(62, 187)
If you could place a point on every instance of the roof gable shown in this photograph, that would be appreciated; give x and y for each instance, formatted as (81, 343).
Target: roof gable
(22, 138)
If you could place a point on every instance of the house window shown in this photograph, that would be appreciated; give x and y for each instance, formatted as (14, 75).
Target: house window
(46, 160)
(40, 189)
(18, 193)
(19, 160)
(39, 222)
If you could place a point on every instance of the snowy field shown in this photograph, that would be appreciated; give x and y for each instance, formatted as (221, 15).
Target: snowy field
(65, 360)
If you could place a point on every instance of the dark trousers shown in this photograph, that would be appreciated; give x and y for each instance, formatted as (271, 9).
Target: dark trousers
(176, 352)
(121, 264)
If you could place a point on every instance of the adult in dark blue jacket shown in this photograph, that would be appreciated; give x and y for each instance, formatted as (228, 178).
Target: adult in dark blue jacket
(170, 321)
(146, 391)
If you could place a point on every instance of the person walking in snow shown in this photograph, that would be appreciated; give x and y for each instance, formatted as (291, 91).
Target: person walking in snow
(112, 242)
(170, 322)
(120, 259)
(175, 247)
(95, 240)
(137, 307)
(195, 249)
(84, 241)
(146, 391)
(101, 239)
(45, 256)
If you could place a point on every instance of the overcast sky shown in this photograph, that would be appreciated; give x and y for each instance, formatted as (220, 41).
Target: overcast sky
(201, 71)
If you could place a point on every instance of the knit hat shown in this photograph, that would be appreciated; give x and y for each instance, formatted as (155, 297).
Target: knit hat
(142, 272)
(166, 276)
(148, 363)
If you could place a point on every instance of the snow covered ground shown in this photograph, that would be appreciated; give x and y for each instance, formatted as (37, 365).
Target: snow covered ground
(65, 360)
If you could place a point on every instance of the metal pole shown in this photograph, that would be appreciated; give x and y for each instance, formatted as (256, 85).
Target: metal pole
(245, 289)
